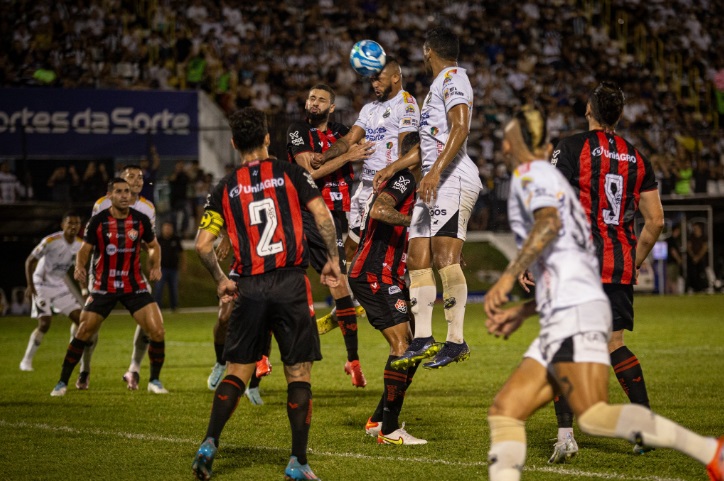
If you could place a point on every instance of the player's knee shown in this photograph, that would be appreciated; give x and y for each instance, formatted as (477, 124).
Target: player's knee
(600, 419)
(452, 275)
(156, 332)
(44, 324)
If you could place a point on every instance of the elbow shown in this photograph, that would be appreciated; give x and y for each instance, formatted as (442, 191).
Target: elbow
(377, 212)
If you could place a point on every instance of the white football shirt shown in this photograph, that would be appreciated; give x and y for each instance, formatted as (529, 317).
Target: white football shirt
(55, 257)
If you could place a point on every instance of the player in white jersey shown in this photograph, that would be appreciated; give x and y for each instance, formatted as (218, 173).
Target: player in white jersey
(570, 355)
(446, 196)
(133, 174)
(46, 272)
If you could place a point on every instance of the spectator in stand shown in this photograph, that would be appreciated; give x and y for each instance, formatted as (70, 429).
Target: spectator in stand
(10, 186)
(682, 175)
(61, 184)
(150, 170)
(179, 182)
(95, 182)
(674, 261)
(697, 257)
(173, 262)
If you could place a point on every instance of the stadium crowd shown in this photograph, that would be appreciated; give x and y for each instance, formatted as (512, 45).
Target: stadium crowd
(267, 55)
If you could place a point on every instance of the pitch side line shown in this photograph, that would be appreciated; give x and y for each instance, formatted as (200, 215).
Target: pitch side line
(575, 473)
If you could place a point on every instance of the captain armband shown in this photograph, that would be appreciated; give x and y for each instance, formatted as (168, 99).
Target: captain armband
(212, 222)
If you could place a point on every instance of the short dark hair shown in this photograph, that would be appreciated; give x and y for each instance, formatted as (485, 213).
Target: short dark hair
(131, 167)
(607, 102)
(326, 88)
(533, 127)
(409, 142)
(114, 181)
(70, 213)
(248, 128)
(443, 42)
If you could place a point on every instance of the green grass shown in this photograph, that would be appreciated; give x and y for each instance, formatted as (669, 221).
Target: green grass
(109, 433)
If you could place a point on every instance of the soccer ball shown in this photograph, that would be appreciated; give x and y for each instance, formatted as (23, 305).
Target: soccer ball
(367, 58)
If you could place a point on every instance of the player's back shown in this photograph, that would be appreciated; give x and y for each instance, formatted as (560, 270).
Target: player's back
(608, 174)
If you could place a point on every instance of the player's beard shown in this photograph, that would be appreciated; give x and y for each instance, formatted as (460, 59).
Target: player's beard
(385, 95)
(318, 118)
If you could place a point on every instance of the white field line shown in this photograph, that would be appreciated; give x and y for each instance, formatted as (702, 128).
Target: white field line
(567, 472)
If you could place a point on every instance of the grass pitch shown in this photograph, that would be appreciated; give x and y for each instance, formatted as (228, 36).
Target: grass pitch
(109, 433)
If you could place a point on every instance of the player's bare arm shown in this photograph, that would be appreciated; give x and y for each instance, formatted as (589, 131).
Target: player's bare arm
(81, 261)
(653, 213)
(30, 263)
(545, 230)
(407, 161)
(209, 229)
(154, 260)
(384, 211)
(341, 146)
(457, 118)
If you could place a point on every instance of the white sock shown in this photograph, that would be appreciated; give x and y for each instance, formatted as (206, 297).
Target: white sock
(140, 347)
(506, 460)
(455, 297)
(423, 292)
(36, 337)
(563, 433)
(88, 353)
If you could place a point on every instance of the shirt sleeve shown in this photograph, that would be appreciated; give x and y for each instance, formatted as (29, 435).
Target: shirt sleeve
(89, 236)
(564, 159)
(149, 233)
(408, 114)
(649, 182)
(362, 119)
(298, 139)
(456, 89)
(39, 250)
(400, 186)
(306, 186)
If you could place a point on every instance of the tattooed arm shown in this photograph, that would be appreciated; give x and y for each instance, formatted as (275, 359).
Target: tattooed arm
(384, 211)
(207, 234)
(355, 134)
(544, 231)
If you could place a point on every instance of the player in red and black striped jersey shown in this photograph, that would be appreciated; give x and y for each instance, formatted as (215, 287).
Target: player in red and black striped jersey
(613, 180)
(306, 141)
(377, 278)
(260, 205)
(114, 237)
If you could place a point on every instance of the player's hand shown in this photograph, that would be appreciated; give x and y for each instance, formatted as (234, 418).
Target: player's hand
(331, 275)
(360, 151)
(79, 274)
(30, 292)
(227, 290)
(498, 294)
(505, 322)
(382, 176)
(525, 279)
(317, 161)
(224, 247)
(154, 274)
(427, 190)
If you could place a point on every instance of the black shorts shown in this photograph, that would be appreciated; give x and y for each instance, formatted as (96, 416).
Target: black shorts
(316, 244)
(279, 301)
(103, 304)
(386, 305)
(621, 298)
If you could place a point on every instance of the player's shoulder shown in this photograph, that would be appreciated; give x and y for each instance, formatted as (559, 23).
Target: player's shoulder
(147, 203)
(101, 203)
(337, 129)
(49, 239)
(299, 127)
(408, 98)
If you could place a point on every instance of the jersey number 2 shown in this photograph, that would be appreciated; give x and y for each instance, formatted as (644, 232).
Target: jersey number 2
(614, 194)
(265, 247)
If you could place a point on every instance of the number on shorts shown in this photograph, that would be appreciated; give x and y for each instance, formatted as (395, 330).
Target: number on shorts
(614, 188)
(265, 246)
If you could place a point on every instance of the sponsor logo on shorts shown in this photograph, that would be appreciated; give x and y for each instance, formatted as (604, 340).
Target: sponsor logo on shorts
(394, 290)
(89, 300)
(401, 306)
(450, 303)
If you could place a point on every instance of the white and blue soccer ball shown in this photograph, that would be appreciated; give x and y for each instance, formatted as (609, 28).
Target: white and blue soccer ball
(367, 58)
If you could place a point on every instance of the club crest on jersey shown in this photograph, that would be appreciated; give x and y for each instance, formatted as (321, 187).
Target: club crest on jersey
(401, 306)
(387, 113)
(132, 234)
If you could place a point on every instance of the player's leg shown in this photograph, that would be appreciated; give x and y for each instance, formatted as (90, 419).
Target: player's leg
(148, 317)
(141, 342)
(263, 368)
(91, 318)
(220, 327)
(83, 381)
(527, 389)
(450, 215)
(42, 311)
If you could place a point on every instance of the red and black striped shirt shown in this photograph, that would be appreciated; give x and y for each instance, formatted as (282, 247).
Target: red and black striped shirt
(335, 187)
(116, 266)
(381, 254)
(609, 174)
(261, 203)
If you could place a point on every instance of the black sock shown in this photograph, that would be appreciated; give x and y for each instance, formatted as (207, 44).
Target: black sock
(377, 415)
(395, 386)
(254, 381)
(219, 350)
(299, 411)
(630, 375)
(157, 354)
(72, 358)
(347, 320)
(226, 398)
(564, 413)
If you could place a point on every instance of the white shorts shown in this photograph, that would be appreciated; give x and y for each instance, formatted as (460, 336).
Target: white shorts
(564, 341)
(451, 212)
(358, 206)
(53, 299)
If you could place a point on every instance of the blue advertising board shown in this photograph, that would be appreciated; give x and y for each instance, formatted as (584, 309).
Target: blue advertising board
(48, 123)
